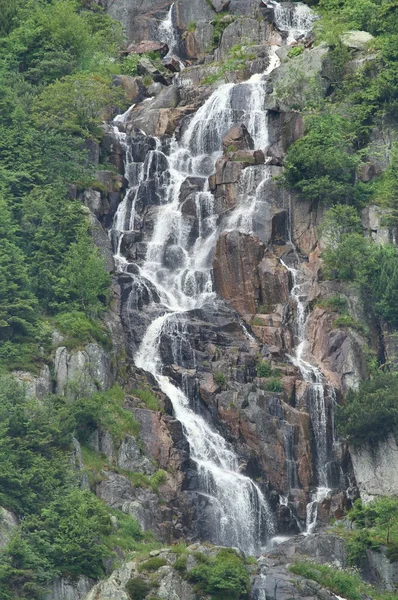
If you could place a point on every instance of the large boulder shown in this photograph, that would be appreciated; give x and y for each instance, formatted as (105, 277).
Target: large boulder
(357, 40)
(82, 371)
(237, 138)
(376, 470)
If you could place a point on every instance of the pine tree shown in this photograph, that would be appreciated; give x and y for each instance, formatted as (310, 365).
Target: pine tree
(18, 306)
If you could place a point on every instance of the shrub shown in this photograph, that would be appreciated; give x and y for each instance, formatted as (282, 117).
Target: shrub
(224, 577)
(320, 166)
(340, 582)
(147, 397)
(263, 369)
(80, 329)
(191, 27)
(220, 380)
(137, 588)
(334, 303)
(274, 385)
(296, 51)
(181, 563)
(370, 414)
(152, 564)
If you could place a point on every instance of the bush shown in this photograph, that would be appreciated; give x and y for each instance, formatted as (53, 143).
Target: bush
(220, 380)
(320, 166)
(152, 564)
(334, 303)
(137, 588)
(224, 577)
(80, 329)
(340, 582)
(103, 410)
(296, 51)
(274, 385)
(263, 369)
(370, 414)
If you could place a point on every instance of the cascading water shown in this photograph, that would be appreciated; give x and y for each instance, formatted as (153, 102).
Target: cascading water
(174, 278)
(167, 32)
(316, 396)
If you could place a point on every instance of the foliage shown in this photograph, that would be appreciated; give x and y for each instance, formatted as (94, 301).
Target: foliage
(320, 166)
(334, 303)
(64, 530)
(274, 385)
(137, 588)
(376, 524)
(295, 51)
(220, 379)
(347, 584)
(103, 410)
(152, 564)
(263, 369)
(338, 221)
(297, 90)
(80, 329)
(223, 576)
(386, 189)
(76, 104)
(147, 397)
(220, 23)
(236, 61)
(17, 303)
(370, 414)
(350, 322)
(191, 26)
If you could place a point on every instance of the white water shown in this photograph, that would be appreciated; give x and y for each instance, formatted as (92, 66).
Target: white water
(296, 20)
(176, 277)
(316, 395)
(167, 33)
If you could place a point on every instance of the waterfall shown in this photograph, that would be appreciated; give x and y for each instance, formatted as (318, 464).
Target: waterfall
(174, 276)
(295, 19)
(167, 33)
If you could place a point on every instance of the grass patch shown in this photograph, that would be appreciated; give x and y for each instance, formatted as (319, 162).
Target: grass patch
(334, 303)
(347, 584)
(220, 379)
(152, 564)
(191, 27)
(147, 397)
(274, 385)
(346, 321)
(224, 576)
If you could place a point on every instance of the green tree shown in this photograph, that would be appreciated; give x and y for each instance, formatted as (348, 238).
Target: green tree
(339, 221)
(84, 284)
(321, 166)
(18, 306)
(76, 104)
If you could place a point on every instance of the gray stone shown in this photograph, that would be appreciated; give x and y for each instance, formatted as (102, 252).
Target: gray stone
(376, 469)
(242, 31)
(36, 386)
(113, 588)
(68, 589)
(220, 5)
(358, 40)
(8, 522)
(82, 372)
(372, 218)
(78, 464)
(193, 11)
(131, 458)
(145, 508)
(381, 571)
(173, 587)
(102, 241)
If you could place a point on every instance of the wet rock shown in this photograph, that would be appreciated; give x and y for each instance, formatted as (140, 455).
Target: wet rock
(146, 46)
(172, 63)
(237, 138)
(248, 157)
(321, 547)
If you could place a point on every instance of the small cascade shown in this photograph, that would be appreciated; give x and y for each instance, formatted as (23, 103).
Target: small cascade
(317, 395)
(167, 33)
(295, 19)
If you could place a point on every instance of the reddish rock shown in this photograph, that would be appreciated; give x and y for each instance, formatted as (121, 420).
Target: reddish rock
(235, 270)
(237, 138)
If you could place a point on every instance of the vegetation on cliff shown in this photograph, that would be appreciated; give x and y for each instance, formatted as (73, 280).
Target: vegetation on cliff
(54, 87)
